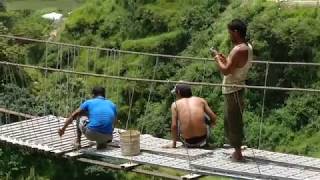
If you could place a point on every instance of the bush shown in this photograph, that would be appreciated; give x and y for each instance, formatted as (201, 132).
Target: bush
(168, 43)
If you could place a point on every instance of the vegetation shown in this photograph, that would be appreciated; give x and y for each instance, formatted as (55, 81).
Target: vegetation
(60, 5)
(185, 27)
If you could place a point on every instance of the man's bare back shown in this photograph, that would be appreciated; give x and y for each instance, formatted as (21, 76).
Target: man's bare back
(188, 117)
(190, 114)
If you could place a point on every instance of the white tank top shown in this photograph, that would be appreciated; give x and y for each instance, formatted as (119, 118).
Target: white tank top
(239, 75)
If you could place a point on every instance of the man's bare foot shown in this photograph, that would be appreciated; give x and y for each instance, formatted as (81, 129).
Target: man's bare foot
(237, 157)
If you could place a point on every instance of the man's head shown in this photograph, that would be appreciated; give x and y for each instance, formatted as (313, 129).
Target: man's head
(98, 91)
(183, 91)
(237, 30)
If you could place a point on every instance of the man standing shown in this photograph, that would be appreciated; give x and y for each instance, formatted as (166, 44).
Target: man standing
(102, 115)
(235, 68)
(189, 120)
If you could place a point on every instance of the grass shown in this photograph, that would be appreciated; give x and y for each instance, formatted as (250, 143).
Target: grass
(304, 144)
(178, 173)
(63, 5)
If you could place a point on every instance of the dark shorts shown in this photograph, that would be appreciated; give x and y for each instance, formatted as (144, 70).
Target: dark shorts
(233, 123)
(197, 141)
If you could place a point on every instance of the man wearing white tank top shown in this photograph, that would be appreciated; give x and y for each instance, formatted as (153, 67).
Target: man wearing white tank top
(235, 68)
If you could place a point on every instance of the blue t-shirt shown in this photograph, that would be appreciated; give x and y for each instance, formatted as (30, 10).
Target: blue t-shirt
(102, 113)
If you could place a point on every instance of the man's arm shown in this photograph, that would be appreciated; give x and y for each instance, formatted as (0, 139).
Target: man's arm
(236, 57)
(69, 121)
(174, 126)
(210, 113)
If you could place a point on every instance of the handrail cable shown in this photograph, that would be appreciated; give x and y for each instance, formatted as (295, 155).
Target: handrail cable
(152, 54)
(160, 81)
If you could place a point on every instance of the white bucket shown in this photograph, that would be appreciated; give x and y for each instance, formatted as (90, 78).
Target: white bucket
(130, 143)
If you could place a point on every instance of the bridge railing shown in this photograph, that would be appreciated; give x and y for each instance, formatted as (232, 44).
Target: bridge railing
(70, 68)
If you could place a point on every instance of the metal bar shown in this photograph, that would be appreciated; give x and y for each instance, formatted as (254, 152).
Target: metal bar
(161, 81)
(7, 111)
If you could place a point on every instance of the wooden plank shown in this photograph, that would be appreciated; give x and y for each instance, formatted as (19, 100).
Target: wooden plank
(282, 159)
(63, 143)
(220, 162)
(54, 138)
(191, 176)
(73, 154)
(26, 128)
(14, 124)
(141, 171)
(128, 165)
(159, 160)
(68, 146)
(41, 132)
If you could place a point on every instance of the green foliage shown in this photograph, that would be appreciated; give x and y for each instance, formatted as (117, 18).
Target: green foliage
(169, 43)
(88, 18)
(156, 120)
(60, 5)
(2, 6)
(32, 25)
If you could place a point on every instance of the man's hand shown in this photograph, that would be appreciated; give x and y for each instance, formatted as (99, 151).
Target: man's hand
(213, 123)
(61, 131)
(220, 57)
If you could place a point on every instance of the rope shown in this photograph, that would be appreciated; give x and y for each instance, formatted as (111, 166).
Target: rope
(263, 104)
(72, 88)
(262, 116)
(7, 80)
(105, 68)
(152, 54)
(59, 59)
(69, 102)
(14, 80)
(178, 131)
(118, 84)
(160, 81)
(46, 90)
(114, 67)
(151, 88)
(204, 72)
(130, 106)
(241, 111)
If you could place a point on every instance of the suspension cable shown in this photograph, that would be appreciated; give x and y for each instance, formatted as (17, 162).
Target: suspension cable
(130, 107)
(263, 104)
(160, 81)
(151, 89)
(150, 54)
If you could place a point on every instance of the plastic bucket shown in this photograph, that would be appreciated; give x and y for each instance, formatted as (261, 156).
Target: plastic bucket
(130, 143)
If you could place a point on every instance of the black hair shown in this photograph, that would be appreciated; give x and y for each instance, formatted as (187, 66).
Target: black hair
(99, 91)
(184, 90)
(239, 26)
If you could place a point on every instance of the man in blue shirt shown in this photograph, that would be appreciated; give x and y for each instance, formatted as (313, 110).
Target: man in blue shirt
(102, 114)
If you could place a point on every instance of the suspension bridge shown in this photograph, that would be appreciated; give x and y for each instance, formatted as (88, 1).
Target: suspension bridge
(39, 132)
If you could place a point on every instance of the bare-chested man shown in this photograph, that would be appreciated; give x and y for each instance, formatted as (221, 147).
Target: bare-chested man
(189, 118)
